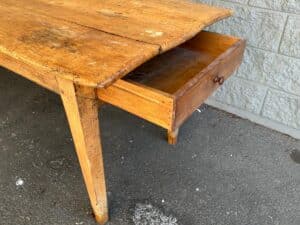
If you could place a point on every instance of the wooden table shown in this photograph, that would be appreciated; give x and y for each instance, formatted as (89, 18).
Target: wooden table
(86, 50)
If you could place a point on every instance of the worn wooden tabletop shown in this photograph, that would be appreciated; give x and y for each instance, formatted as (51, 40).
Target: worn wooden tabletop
(96, 42)
(74, 47)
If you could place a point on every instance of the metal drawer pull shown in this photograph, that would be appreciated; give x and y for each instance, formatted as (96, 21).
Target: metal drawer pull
(219, 80)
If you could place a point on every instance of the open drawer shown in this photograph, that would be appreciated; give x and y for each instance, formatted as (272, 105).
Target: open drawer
(169, 88)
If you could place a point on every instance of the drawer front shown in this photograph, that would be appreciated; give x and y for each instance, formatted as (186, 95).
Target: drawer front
(189, 98)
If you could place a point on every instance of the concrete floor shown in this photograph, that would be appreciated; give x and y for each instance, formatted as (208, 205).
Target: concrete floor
(224, 170)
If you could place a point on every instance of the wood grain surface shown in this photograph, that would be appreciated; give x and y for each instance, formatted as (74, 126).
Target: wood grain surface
(93, 42)
(166, 23)
(55, 47)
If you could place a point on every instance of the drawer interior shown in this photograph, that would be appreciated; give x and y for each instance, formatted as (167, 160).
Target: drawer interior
(167, 89)
(172, 70)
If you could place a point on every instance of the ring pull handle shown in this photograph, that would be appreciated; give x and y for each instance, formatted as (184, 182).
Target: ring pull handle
(219, 79)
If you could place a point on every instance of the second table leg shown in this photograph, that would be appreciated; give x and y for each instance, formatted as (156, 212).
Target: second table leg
(81, 107)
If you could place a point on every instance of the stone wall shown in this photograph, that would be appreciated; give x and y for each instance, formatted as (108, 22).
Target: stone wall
(266, 88)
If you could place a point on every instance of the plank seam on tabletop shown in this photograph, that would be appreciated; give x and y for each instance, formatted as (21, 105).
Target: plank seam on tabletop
(94, 28)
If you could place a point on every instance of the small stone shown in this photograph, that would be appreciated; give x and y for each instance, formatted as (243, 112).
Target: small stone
(295, 155)
(19, 182)
(57, 163)
(277, 181)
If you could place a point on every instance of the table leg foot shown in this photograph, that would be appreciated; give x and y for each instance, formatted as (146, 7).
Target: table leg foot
(81, 107)
(101, 219)
(173, 136)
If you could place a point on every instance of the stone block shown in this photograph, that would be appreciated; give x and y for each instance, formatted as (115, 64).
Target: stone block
(271, 69)
(261, 28)
(241, 94)
(292, 6)
(291, 39)
(283, 108)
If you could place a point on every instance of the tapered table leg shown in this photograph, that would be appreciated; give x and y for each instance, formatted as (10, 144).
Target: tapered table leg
(81, 107)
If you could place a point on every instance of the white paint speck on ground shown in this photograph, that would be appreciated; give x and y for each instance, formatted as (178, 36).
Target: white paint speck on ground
(197, 189)
(162, 201)
(122, 159)
(19, 182)
(146, 214)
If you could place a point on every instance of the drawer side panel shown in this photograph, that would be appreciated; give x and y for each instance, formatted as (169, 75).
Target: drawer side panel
(140, 101)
